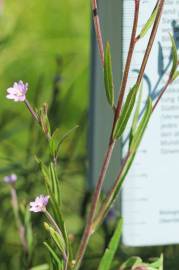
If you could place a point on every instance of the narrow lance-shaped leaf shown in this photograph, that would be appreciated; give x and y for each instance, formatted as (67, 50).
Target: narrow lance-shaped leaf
(174, 56)
(108, 256)
(58, 239)
(59, 219)
(158, 263)
(133, 261)
(55, 183)
(45, 173)
(65, 137)
(132, 152)
(126, 113)
(142, 126)
(175, 75)
(57, 140)
(41, 267)
(108, 76)
(54, 255)
(149, 23)
(136, 114)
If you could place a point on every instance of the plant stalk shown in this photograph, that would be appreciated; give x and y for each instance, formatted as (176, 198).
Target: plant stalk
(34, 115)
(108, 201)
(89, 228)
(128, 61)
(97, 27)
(19, 224)
(169, 81)
(54, 224)
(151, 41)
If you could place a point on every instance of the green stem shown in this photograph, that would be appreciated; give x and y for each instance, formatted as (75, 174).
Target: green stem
(31, 110)
(53, 222)
(56, 227)
(19, 224)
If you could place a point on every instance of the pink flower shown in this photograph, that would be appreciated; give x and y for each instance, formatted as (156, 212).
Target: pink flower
(18, 91)
(10, 179)
(40, 203)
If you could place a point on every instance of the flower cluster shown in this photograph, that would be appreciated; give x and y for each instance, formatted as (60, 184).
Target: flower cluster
(10, 179)
(18, 91)
(40, 203)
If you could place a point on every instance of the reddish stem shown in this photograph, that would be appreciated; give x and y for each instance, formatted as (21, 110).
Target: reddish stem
(143, 66)
(161, 93)
(151, 41)
(128, 61)
(98, 30)
(89, 229)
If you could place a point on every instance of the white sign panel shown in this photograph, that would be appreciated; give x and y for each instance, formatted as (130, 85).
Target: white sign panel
(150, 197)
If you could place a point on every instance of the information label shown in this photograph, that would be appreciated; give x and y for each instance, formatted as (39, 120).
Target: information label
(150, 196)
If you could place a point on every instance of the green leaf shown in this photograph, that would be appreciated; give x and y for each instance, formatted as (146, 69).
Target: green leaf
(174, 56)
(59, 219)
(41, 267)
(57, 140)
(45, 173)
(136, 114)
(133, 261)
(58, 239)
(54, 255)
(175, 75)
(55, 184)
(126, 113)
(142, 126)
(158, 263)
(53, 189)
(149, 23)
(44, 121)
(53, 143)
(66, 136)
(108, 76)
(129, 160)
(108, 256)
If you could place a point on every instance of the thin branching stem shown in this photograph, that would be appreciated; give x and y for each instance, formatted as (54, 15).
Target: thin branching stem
(108, 200)
(34, 114)
(89, 228)
(98, 32)
(169, 81)
(151, 41)
(128, 62)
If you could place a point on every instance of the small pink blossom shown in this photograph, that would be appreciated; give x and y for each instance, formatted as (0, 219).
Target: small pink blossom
(18, 91)
(10, 179)
(40, 203)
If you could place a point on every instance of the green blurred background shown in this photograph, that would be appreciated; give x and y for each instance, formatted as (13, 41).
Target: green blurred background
(47, 44)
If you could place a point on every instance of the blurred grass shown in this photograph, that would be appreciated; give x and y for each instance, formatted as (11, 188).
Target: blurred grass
(45, 43)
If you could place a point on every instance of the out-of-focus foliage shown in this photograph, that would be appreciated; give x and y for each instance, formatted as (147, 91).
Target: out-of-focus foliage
(44, 43)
